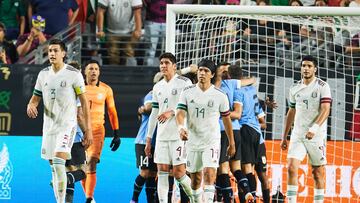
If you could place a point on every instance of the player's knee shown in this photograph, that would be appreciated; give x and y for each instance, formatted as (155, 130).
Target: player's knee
(91, 165)
(292, 170)
(318, 173)
(179, 172)
(223, 168)
(144, 173)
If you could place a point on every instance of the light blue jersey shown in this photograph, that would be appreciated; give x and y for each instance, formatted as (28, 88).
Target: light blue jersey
(229, 87)
(79, 134)
(251, 108)
(141, 135)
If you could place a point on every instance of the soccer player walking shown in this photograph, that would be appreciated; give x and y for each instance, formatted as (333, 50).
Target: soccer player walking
(59, 85)
(309, 108)
(202, 104)
(99, 94)
(169, 149)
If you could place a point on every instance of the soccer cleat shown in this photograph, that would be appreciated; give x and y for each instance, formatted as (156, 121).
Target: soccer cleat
(249, 198)
(69, 198)
(132, 201)
(90, 200)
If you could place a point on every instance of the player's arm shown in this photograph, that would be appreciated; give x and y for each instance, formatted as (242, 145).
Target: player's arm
(113, 118)
(248, 81)
(100, 13)
(237, 110)
(151, 126)
(262, 122)
(180, 119)
(88, 136)
(31, 110)
(229, 132)
(288, 123)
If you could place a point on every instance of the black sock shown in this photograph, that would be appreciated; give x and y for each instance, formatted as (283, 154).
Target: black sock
(242, 181)
(150, 190)
(266, 195)
(138, 185)
(252, 183)
(225, 186)
(218, 190)
(183, 196)
(75, 176)
(171, 186)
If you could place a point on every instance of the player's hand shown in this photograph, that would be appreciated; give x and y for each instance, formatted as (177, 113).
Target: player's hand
(231, 150)
(184, 135)
(309, 135)
(116, 141)
(137, 34)
(284, 144)
(271, 103)
(32, 111)
(88, 139)
(148, 147)
(100, 34)
(193, 68)
(162, 118)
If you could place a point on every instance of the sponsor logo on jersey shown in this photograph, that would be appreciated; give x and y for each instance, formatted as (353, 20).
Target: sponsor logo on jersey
(174, 91)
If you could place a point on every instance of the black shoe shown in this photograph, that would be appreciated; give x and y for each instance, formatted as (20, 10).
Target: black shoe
(69, 198)
(89, 200)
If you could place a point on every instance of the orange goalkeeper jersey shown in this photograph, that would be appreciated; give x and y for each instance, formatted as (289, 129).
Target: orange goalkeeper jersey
(98, 95)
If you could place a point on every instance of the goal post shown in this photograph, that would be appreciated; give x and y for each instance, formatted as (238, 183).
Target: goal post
(269, 42)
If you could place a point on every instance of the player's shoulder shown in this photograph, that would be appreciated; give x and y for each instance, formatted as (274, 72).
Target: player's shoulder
(321, 82)
(72, 69)
(218, 91)
(182, 78)
(46, 69)
(296, 84)
(189, 88)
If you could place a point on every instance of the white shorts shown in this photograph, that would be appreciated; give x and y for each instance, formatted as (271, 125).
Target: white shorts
(207, 158)
(60, 142)
(170, 152)
(314, 148)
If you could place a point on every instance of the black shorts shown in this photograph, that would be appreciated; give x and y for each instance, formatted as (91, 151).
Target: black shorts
(78, 155)
(261, 163)
(225, 144)
(142, 161)
(250, 144)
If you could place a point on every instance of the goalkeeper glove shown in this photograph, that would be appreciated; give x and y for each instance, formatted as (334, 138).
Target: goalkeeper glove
(116, 141)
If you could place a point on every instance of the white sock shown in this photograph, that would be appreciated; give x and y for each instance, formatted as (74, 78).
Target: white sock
(185, 182)
(292, 193)
(163, 186)
(209, 192)
(318, 195)
(197, 194)
(60, 178)
(54, 185)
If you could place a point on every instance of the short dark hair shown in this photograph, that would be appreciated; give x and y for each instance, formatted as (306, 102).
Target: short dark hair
(75, 64)
(58, 42)
(91, 61)
(2, 25)
(209, 64)
(223, 63)
(169, 56)
(309, 58)
(235, 71)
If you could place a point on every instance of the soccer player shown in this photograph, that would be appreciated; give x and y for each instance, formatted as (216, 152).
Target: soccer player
(75, 167)
(59, 85)
(169, 149)
(229, 86)
(202, 104)
(145, 163)
(99, 94)
(309, 108)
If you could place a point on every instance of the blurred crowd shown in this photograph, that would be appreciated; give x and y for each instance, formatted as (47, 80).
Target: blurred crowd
(26, 24)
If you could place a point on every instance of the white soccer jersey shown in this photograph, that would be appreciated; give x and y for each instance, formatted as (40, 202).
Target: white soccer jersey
(59, 93)
(306, 99)
(165, 97)
(203, 112)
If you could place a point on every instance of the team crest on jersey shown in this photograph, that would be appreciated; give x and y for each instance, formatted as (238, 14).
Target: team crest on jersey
(314, 94)
(211, 103)
(63, 83)
(100, 96)
(174, 91)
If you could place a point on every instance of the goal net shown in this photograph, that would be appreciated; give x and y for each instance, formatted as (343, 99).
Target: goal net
(269, 43)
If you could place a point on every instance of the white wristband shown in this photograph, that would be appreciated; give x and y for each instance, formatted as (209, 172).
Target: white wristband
(185, 70)
(314, 128)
